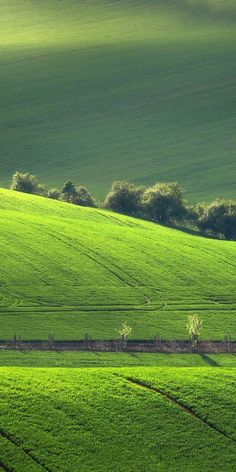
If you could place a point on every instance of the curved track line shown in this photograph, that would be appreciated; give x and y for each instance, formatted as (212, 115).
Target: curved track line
(4, 467)
(7, 436)
(182, 406)
(95, 257)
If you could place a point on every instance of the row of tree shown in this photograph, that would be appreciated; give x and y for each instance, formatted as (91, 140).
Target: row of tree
(162, 203)
(28, 183)
(193, 326)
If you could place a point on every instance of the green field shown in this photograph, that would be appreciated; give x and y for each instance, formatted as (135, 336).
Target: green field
(96, 91)
(70, 420)
(68, 270)
(111, 359)
(102, 90)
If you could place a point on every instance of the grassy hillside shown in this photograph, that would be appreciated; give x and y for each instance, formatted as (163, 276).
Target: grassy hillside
(97, 420)
(68, 270)
(112, 359)
(100, 90)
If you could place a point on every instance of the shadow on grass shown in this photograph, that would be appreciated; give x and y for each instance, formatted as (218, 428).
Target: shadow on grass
(209, 361)
(135, 356)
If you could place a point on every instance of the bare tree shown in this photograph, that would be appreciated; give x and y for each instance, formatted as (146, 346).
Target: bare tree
(124, 331)
(194, 325)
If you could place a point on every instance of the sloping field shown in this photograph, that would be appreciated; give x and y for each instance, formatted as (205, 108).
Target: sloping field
(99, 90)
(16, 358)
(67, 270)
(101, 419)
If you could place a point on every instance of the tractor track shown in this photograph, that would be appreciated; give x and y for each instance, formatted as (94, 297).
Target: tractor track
(4, 467)
(181, 405)
(7, 436)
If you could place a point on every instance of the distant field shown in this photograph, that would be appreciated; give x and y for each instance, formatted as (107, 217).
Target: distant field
(102, 90)
(70, 420)
(68, 270)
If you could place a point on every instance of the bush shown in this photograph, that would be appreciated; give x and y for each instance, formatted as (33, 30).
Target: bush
(77, 195)
(68, 192)
(83, 197)
(191, 214)
(219, 218)
(26, 183)
(124, 197)
(54, 193)
(164, 203)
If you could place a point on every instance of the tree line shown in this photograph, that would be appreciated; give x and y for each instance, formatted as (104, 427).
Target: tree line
(162, 203)
(193, 326)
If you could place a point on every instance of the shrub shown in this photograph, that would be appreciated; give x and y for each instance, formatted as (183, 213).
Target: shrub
(26, 183)
(83, 197)
(68, 192)
(164, 203)
(124, 197)
(54, 193)
(219, 218)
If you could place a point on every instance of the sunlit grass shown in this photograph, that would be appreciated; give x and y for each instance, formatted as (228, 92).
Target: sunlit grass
(68, 270)
(78, 419)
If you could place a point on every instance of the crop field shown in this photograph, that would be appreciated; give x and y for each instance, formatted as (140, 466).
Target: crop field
(96, 91)
(99, 90)
(130, 419)
(67, 270)
(112, 359)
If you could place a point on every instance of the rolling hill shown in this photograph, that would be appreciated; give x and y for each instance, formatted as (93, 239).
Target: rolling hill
(181, 420)
(68, 270)
(102, 90)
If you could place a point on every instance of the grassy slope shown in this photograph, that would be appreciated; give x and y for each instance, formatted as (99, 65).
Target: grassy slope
(111, 359)
(96, 420)
(133, 89)
(67, 270)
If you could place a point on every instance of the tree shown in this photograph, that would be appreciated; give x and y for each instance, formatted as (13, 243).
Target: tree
(191, 214)
(124, 197)
(26, 183)
(218, 217)
(83, 197)
(68, 191)
(194, 325)
(124, 331)
(164, 203)
(54, 193)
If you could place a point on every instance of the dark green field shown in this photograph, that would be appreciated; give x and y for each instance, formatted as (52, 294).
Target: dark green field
(102, 90)
(68, 270)
(71, 420)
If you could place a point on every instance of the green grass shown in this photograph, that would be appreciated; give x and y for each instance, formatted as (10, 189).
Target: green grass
(142, 90)
(110, 359)
(98, 420)
(68, 271)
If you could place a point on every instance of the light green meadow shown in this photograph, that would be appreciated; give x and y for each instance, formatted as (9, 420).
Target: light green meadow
(67, 270)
